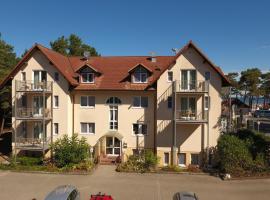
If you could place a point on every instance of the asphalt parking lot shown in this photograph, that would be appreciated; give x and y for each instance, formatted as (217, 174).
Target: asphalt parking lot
(123, 186)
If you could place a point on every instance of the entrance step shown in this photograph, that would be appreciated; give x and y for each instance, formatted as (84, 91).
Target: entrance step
(107, 160)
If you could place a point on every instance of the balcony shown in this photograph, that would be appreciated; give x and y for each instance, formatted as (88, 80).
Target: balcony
(33, 143)
(188, 116)
(33, 86)
(33, 113)
(195, 86)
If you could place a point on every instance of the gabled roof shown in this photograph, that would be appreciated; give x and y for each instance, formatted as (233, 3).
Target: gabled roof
(138, 65)
(114, 70)
(87, 65)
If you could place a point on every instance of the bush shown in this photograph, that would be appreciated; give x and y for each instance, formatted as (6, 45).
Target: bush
(142, 162)
(70, 151)
(233, 154)
(29, 161)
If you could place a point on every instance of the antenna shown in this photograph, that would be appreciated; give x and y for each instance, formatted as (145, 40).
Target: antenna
(175, 50)
(86, 54)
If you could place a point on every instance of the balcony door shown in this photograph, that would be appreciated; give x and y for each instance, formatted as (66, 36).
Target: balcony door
(188, 107)
(39, 76)
(188, 79)
(38, 130)
(37, 105)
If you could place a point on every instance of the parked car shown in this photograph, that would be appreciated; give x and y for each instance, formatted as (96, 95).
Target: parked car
(64, 192)
(100, 196)
(262, 113)
(185, 196)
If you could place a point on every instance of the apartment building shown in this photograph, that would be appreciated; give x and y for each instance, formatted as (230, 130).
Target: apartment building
(120, 104)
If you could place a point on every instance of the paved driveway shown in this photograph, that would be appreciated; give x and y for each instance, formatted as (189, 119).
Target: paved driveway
(17, 186)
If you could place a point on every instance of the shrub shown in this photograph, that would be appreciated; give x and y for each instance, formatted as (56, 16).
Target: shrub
(233, 154)
(70, 151)
(29, 161)
(142, 162)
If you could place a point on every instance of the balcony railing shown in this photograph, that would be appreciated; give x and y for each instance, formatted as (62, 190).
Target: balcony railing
(191, 86)
(190, 116)
(33, 86)
(37, 143)
(33, 113)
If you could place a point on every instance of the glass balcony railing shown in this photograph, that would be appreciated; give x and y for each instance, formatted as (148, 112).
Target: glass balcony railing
(188, 115)
(33, 113)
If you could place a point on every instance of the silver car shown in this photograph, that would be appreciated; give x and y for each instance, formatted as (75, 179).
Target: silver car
(64, 192)
(185, 196)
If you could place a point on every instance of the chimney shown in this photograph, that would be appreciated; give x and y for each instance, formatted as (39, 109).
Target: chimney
(86, 55)
(153, 57)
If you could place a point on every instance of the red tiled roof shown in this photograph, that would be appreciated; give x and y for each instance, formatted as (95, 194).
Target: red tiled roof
(113, 71)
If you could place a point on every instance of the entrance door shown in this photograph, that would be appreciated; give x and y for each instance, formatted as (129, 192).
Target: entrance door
(37, 105)
(188, 79)
(113, 146)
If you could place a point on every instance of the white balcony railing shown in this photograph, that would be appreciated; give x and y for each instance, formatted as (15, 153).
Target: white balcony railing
(33, 86)
(33, 113)
(191, 86)
(187, 115)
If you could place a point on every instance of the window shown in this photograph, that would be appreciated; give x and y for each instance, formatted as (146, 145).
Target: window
(169, 101)
(56, 76)
(87, 77)
(113, 117)
(56, 102)
(207, 76)
(182, 159)
(139, 129)
(140, 75)
(24, 101)
(194, 159)
(170, 76)
(140, 102)
(113, 100)
(23, 76)
(56, 128)
(166, 159)
(206, 102)
(87, 128)
(188, 79)
(88, 101)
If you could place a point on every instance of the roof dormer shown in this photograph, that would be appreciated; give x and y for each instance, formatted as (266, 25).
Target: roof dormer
(140, 73)
(88, 74)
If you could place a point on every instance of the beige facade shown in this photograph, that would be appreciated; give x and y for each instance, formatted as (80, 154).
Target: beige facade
(183, 130)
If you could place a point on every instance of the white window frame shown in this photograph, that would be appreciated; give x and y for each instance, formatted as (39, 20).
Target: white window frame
(54, 127)
(140, 106)
(23, 76)
(54, 101)
(168, 80)
(114, 121)
(88, 74)
(188, 79)
(141, 74)
(207, 105)
(139, 129)
(179, 164)
(87, 106)
(87, 128)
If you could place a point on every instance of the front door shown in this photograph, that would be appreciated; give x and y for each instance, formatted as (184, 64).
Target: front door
(113, 146)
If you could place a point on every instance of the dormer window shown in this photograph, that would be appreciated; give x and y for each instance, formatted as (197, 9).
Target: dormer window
(87, 77)
(140, 75)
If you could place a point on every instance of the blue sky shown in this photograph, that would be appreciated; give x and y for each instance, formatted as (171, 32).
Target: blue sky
(234, 34)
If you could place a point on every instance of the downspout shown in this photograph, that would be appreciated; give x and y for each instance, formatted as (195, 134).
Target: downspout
(155, 122)
(73, 99)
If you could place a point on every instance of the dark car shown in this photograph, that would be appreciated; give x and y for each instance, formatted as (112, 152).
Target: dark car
(185, 196)
(262, 113)
(64, 192)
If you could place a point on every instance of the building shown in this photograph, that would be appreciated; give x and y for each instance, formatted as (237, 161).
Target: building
(170, 104)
